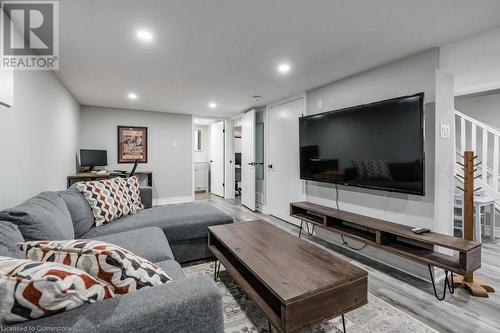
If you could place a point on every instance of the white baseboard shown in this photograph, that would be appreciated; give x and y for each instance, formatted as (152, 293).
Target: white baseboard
(172, 200)
(262, 208)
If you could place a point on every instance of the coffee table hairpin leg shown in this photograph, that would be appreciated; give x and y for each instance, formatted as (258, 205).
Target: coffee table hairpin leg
(216, 269)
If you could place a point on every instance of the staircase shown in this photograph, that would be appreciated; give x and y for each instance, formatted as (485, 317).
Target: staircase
(472, 134)
(484, 140)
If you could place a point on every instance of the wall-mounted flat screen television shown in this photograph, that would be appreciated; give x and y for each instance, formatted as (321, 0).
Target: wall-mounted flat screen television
(378, 145)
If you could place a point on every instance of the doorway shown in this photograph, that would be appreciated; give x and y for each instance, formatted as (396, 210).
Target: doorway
(248, 143)
(208, 158)
(217, 158)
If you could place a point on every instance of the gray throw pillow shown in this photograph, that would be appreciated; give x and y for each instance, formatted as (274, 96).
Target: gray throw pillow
(79, 209)
(43, 217)
(9, 237)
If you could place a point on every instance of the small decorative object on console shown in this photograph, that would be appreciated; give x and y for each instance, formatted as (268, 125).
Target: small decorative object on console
(419, 231)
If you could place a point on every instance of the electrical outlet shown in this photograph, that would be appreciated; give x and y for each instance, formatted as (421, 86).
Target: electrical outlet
(445, 131)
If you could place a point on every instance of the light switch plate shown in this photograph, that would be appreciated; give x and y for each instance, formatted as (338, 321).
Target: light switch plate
(445, 131)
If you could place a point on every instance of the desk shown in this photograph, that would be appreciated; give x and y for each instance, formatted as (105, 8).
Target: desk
(88, 176)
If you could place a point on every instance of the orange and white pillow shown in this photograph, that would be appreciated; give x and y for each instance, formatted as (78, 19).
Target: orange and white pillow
(121, 269)
(31, 289)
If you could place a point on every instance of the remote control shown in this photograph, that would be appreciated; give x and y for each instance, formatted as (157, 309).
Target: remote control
(419, 231)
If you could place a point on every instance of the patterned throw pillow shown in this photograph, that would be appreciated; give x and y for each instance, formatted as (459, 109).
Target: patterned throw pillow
(377, 169)
(31, 289)
(109, 199)
(134, 192)
(360, 170)
(122, 269)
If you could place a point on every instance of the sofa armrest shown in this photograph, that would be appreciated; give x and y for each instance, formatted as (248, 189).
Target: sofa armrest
(147, 196)
(187, 305)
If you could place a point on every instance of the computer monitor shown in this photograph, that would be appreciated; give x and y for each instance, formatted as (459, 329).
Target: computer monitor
(92, 158)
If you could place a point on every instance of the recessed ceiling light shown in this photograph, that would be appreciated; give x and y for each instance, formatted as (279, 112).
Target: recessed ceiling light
(212, 105)
(144, 35)
(284, 68)
(132, 96)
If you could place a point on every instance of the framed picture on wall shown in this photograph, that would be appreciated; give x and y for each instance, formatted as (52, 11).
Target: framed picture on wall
(132, 144)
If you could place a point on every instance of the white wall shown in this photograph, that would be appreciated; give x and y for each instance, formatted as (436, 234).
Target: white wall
(485, 108)
(170, 146)
(474, 62)
(204, 154)
(407, 76)
(39, 137)
(445, 155)
(237, 145)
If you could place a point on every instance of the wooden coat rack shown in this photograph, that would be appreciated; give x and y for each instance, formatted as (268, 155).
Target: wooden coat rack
(473, 286)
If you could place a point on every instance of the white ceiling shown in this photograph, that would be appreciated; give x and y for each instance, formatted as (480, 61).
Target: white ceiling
(227, 50)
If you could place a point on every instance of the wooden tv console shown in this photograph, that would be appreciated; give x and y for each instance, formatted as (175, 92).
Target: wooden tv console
(395, 238)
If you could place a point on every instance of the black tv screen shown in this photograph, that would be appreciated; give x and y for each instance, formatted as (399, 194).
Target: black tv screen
(378, 145)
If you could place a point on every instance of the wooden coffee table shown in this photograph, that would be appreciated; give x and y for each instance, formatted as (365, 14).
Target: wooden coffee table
(294, 283)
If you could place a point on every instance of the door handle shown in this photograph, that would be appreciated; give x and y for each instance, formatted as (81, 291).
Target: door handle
(252, 163)
(270, 166)
(211, 161)
(259, 163)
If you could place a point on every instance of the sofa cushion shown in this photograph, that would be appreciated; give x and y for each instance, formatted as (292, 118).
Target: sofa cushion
(9, 237)
(178, 222)
(134, 192)
(33, 289)
(149, 243)
(79, 209)
(123, 270)
(173, 269)
(109, 199)
(147, 196)
(42, 217)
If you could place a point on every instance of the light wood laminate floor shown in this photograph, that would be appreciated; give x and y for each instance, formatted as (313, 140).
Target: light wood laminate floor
(458, 313)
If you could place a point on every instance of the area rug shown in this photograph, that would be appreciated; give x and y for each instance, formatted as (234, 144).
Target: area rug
(242, 315)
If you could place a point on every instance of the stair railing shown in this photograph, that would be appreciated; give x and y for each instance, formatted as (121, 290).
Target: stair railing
(490, 159)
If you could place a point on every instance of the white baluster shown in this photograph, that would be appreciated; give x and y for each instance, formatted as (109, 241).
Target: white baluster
(485, 156)
(462, 135)
(473, 145)
(495, 162)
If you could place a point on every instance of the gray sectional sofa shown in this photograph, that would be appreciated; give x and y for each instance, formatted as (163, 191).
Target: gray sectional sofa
(167, 235)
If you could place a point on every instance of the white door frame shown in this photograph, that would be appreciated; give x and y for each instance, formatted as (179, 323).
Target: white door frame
(193, 185)
(267, 136)
(218, 191)
(229, 159)
(248, 157)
